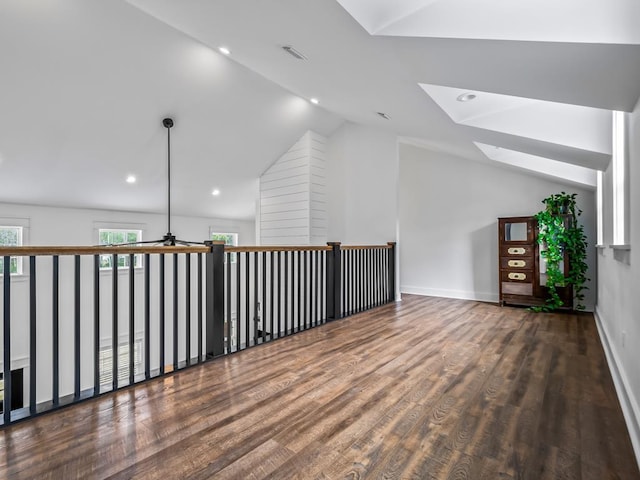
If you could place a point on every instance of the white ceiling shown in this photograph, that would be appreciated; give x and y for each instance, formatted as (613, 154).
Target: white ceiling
(85, 85)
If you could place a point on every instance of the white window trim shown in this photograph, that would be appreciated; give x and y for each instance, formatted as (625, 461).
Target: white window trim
(619, 164)
(599, 209)
(97, 226)
(23, 223)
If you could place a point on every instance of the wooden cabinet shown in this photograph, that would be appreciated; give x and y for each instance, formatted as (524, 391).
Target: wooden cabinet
(521, 269)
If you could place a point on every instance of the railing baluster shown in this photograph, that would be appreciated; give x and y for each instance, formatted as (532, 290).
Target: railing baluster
(33, 348)
(6, 329)
(286, 293)
(96, 325)
(323, 315)
(271, 288)
(187, 309)
(377, 275)
(161, 312)
(132, 321)
(228, 329)
(305, 291)
(76, 328)
(147, 315)
(311, 290)
(115, 348)
(247, 314)
(238, 306)
(175, 312)
(279, 294)
(264, 297)
(256, 288)
(299, 290)
(200, 319)
(56, 331)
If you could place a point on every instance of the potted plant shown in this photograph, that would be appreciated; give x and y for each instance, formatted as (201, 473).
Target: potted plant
(560, 233)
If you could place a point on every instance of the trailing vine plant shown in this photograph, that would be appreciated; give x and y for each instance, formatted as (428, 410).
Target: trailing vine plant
(558, 232)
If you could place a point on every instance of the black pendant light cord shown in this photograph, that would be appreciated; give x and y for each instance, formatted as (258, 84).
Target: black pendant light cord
(168, 239)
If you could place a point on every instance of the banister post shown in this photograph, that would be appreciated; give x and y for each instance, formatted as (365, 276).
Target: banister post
(214, 285)
(392, 271)
(334, 283)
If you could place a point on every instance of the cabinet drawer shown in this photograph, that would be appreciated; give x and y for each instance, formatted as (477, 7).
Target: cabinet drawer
(518, 263)
(516, 251)
(512, 288)
(517, 276)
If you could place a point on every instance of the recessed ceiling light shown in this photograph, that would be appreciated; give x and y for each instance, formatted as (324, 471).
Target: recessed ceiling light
(294, 53)
(215, 192)
(131, 179)
(384, 115)
(466, 97)
(315, 101)
(224, 50)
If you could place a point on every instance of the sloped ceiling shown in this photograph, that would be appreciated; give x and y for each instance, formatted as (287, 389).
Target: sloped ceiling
(375, 58)
(85, 85)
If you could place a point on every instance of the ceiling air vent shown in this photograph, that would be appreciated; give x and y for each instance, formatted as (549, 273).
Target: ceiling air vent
(293, 52)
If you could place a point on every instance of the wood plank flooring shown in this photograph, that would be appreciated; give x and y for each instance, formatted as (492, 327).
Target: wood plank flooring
(428, 388)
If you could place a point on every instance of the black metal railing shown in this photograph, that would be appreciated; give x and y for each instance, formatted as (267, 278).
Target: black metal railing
(75, 329)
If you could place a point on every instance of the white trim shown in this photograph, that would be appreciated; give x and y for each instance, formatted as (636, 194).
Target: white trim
(624, 246)
(628, 401)
(17, 363)
(460, 294)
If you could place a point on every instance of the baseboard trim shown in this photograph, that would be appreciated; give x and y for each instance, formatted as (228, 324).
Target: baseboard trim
(460, 294)
(628, 401)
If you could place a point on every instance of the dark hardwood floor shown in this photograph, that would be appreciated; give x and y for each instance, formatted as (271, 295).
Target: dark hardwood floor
(428, 388)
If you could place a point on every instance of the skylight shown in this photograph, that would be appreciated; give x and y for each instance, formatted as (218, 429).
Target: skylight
(576, 126)
(576, 21)
(545, 166)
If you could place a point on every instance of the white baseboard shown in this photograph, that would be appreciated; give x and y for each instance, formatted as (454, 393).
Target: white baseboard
(461, 294)
(628, 401)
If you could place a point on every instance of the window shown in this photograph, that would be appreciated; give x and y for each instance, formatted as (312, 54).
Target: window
(600, 208)
(106, 362)
(230, 239)
(116, 236)
(11, 236)
(619, 171)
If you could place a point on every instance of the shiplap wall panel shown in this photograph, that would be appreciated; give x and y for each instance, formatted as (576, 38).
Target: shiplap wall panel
(293, 195)
(292, 207)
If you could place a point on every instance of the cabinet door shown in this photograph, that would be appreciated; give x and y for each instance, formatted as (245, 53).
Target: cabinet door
(516, 231)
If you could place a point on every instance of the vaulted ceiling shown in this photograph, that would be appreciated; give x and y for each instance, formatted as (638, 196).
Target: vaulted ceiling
(86, 83)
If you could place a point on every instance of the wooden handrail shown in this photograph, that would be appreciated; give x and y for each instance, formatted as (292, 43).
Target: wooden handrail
(283, 248)
(365, 247)
(26, 251)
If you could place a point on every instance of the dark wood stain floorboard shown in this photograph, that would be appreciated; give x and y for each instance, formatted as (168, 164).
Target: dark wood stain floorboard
(427, 388)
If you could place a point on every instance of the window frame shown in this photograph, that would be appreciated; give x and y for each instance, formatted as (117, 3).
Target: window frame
(138, 258)
(234, 235)
(620, 180)
(23, 225)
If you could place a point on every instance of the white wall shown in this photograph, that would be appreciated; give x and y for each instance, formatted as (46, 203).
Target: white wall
(362, 185)
(74, 226)
(448, 227)
(618, 301)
